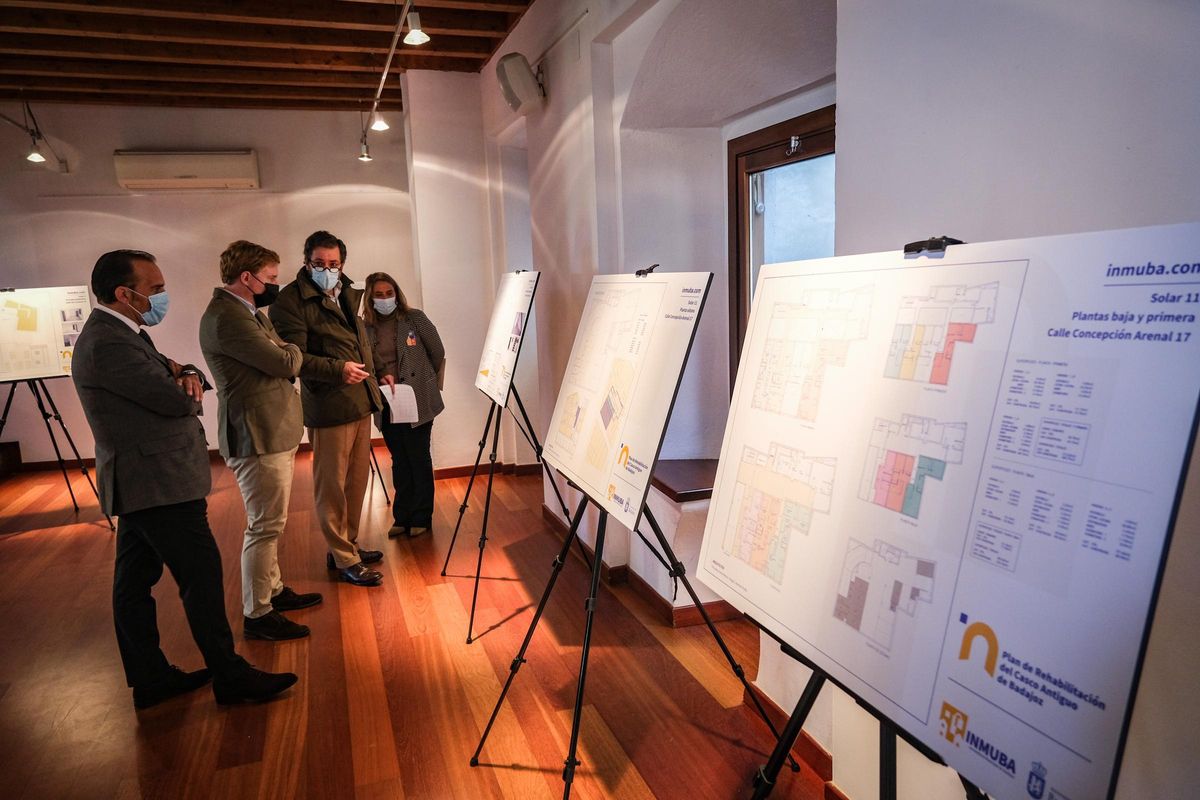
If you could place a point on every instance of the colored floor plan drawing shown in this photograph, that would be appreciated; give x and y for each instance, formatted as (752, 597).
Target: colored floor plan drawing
(804, 340)
(903, 455)
(776, 496)
(877, 584)
(929, 328)
(603, 440)
(570, 422)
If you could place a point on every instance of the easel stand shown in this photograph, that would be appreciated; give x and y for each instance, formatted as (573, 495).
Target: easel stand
(41, 394)
(677, 571)
(766, 776)
(495, 415)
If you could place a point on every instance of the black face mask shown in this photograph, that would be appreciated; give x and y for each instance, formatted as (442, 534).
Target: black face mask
(267, 295)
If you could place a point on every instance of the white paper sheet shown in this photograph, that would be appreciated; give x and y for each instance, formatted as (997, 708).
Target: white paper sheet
(401, 401)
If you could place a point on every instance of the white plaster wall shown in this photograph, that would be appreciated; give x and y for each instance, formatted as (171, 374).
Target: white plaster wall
(55, 226)
(994, 121)
(452, 235)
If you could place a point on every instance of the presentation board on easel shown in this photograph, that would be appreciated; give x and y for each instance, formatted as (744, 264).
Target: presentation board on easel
(506, 331)
(621, 379)
(950, 483)
(38, 329)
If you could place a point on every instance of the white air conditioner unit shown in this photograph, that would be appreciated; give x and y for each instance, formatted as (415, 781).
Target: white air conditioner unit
(142, 170)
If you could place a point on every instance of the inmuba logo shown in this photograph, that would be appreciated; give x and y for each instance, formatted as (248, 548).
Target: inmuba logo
(952, 724)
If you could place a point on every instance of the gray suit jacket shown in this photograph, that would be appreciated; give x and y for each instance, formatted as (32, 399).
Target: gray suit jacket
(150, 445)
(258, 407)
(420, 352)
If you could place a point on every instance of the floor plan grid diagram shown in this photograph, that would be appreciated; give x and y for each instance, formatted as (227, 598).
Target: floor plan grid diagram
(805, 339)
(776, 496)
(878, 583)
(902, 455)
(928, 328)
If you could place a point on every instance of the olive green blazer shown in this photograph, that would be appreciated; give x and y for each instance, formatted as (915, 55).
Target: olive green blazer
(258, 408)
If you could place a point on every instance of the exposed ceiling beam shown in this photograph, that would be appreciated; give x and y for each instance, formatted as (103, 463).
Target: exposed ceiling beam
(66, 69)
(223, 34)
(362, 95)
(188, 101)
(295, 13)
(510, 6)
(276, 58)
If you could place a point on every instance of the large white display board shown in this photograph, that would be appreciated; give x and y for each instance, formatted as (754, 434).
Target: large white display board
(38, 329)
(621, 379)
(950, 483)
(514, 301)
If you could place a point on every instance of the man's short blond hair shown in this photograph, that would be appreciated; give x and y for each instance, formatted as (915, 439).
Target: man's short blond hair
(243, 256)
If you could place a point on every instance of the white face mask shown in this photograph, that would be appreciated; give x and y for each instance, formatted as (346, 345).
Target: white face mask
(385, 305)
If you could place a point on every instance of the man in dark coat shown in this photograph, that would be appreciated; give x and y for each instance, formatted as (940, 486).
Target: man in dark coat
(153, 472)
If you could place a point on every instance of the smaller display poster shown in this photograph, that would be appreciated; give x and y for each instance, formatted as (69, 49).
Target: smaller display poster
(514, 302)
(38, 329)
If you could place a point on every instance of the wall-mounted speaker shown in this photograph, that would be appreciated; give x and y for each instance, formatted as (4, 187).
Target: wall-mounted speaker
(522, 90)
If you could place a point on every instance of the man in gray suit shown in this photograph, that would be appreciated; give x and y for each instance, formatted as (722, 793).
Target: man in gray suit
(153, 472)
(260, 423)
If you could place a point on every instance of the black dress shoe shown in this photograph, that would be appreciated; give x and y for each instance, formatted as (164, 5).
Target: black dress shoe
(360, 575)
(289, 600)
(367, 557)
(251, 686)
(274, 627)
(176, 682)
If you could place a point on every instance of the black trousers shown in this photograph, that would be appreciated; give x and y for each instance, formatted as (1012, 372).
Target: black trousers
(179, 537)
(412, 473)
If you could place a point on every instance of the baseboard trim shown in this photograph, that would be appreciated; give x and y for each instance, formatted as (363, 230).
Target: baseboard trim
(501, 469)
(806, 748)
(679, 616)
(611, 575)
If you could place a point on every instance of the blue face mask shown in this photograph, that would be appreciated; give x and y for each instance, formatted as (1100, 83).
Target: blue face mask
(325, 279)
(158, 307)
(385, 305)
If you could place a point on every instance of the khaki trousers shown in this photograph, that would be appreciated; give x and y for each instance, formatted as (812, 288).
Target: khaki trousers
(341, 464)
(266, 485)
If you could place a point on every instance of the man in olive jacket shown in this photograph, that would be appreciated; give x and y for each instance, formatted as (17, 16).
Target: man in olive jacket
(258, 414)
(317, 312)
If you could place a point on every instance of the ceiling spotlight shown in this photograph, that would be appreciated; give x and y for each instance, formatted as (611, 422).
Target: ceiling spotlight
(364, 151)
(380, 124)
(415, 35)
(35, 153)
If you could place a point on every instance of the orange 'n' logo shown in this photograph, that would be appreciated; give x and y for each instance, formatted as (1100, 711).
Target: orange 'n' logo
(623, 456)
(984, 631)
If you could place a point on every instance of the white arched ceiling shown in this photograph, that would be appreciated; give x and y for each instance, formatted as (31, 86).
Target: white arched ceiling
(713, 60)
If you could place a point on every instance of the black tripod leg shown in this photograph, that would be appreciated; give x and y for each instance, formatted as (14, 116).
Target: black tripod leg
(571, 763)
(379, 474)
(764, 779)
(559, 560)
(678, 571)
(78, 458)
(487, 507)
(37, 395)
(973, 791)
(462, 509)
(12, 389)
(887, 762)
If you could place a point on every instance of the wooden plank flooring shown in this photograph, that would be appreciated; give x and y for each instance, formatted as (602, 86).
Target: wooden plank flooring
(391, 700)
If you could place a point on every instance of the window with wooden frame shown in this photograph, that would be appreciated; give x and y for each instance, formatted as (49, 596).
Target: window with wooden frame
(780, 207)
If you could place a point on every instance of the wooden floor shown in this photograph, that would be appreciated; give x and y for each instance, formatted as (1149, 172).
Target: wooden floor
(391, 700)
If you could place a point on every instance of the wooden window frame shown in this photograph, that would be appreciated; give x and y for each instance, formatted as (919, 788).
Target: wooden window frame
(763, 149)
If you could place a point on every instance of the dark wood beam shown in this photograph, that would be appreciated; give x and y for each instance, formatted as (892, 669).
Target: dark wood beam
(188, 101)
(51, 47)
(319, 14)
(360, 96)
(224, 34)
(65, 69)
(510, 6)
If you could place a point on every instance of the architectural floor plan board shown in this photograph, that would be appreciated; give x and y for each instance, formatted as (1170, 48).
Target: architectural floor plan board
(38, 329)
(514, 303)
(620, 384)
(951, 483)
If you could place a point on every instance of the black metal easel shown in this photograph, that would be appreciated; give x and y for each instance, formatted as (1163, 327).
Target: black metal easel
(767, 775)
(41, 394)
(495, 415)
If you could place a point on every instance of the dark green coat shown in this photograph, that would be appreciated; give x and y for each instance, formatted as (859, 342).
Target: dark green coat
(329, 333)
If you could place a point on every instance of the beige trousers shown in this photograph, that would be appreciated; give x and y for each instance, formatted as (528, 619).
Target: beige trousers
(341, 464)
(266, 485)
